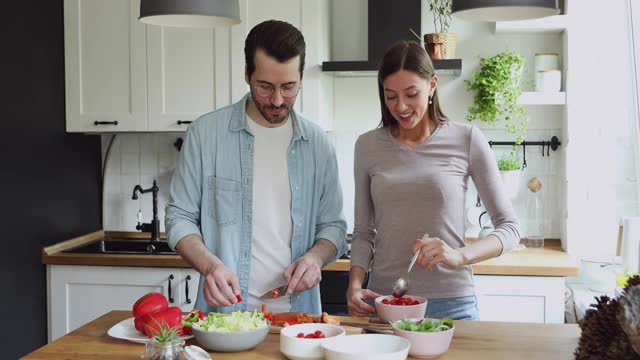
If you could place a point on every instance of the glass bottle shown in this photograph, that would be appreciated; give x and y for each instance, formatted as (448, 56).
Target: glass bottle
(534, 231)
(166, 351)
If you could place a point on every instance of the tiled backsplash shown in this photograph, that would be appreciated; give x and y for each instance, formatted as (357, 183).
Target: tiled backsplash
(141, 158)
(137, 159)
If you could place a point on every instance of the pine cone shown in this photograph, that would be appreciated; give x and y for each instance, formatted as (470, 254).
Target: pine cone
(633, 281)
(602, 337)
(629, 315)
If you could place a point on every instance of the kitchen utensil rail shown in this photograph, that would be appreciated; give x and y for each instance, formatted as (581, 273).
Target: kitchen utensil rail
(553, 144)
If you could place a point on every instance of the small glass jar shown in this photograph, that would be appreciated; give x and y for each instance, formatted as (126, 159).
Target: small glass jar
(167, 351)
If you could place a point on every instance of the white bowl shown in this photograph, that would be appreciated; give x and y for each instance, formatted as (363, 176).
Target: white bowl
(230, 342)
(366, 347)
(425, 344)
(296, 348)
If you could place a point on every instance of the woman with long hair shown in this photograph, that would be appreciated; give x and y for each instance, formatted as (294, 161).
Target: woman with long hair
(411, 178)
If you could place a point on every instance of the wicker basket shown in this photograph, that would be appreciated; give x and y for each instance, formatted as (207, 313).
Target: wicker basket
(441, 45)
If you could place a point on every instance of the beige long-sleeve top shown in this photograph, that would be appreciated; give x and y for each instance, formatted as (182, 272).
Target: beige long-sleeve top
(401, 193)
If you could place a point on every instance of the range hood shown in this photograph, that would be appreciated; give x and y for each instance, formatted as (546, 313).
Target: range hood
(389, 21)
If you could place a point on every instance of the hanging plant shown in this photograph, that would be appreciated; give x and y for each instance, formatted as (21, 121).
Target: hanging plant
(441, 10)
(509, 162)
(496, 85)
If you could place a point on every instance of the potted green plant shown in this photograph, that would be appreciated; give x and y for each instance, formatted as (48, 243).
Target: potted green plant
(496, 87)
(509, 166)
(441, 44)
(165, 344)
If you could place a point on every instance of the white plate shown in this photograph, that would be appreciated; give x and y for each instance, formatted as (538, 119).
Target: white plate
(126, 330)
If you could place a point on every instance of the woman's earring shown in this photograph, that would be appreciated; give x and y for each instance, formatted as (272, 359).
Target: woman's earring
(430, 101)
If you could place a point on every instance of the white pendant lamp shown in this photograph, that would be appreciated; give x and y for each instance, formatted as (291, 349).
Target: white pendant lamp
(190, 13)
(503, 10)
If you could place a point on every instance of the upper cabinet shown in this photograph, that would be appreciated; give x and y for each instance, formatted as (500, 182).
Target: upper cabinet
(188, 72)
(122, 75)
(105, 66)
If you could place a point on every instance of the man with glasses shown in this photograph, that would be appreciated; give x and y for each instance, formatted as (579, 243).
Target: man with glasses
(255, 200)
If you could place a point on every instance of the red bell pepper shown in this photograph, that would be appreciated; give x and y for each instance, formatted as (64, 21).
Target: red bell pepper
(139, 323)
(282, 318)
(149, 303)
(187, 322)
(171, 317)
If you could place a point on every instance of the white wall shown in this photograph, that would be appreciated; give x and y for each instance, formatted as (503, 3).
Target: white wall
(601, 174)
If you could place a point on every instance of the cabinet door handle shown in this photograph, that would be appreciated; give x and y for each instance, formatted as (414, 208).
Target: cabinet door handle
(96, 123)
(186, 122)
(186, 288)
(170, 297)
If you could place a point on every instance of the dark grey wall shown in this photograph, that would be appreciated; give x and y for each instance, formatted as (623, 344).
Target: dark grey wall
(49, 180)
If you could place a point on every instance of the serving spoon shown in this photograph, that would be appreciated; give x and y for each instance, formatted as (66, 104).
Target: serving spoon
(401, 285)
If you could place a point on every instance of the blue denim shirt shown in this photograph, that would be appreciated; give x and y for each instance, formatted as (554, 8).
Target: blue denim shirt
(211, 195)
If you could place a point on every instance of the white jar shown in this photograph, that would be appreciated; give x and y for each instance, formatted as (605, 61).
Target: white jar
(548, 80)
(546, 61)
(598, 272)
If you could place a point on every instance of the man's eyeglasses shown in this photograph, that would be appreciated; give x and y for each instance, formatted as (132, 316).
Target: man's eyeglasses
(287, 91)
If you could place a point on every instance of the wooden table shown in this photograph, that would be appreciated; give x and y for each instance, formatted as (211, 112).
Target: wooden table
(472, 340)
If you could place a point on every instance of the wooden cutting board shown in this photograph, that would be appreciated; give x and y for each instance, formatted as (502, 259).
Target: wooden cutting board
(351, 324)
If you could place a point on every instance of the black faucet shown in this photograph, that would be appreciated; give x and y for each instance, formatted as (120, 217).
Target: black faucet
(154, 226)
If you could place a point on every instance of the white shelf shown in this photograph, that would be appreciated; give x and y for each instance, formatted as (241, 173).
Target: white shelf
(549, 24)
(542, 98)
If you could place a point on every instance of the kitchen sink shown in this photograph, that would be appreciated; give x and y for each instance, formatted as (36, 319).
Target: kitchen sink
(124, 246)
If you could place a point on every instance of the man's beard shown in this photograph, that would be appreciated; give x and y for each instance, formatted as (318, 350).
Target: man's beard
(262, 109)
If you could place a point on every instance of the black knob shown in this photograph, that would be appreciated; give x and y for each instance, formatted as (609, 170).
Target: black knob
(180, 122)
(186, 288)
(555, 142)
(96, 123)
(170, 297)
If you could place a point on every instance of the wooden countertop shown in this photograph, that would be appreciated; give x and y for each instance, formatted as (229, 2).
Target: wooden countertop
(471, 340)
(547, 261)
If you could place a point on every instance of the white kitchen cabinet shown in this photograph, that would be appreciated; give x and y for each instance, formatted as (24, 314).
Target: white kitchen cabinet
(79, 294)
(152, 78)
(533, 299)
(188, 73)
(145, 78)
(105, 66)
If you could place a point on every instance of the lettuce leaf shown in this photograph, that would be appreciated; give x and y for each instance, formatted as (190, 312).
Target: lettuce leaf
(425, 325)
(232, 322)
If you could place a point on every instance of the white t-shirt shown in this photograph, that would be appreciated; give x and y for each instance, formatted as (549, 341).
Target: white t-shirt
(272, 224)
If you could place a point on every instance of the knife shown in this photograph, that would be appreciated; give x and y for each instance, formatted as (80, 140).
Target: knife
(275, 293)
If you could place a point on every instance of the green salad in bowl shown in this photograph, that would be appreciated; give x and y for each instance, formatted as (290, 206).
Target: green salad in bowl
(236, 331)
(424, 325)
(428, 337)
(232, 322)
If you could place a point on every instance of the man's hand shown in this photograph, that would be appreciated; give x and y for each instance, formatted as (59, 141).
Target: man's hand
(304, 273)
(435, 251)
(220, 286)
(356, 304)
